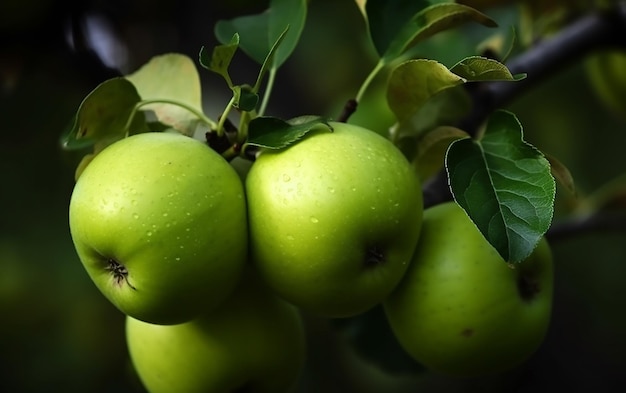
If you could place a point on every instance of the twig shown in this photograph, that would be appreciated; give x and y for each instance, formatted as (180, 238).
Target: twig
(590, 33)
(348, 110)
(595, 223)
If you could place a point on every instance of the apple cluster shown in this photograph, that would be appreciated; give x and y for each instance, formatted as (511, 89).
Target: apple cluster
(214, 269)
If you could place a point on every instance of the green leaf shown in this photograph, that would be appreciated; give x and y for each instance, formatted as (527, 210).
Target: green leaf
(479, 69)
(501, 44)
(562, 175)
(430, 21)
(103, 115)
(245, 98)
(172, 77)
(220, 58)
(274, 133)
(258, 33)
(414, 82)
(387, 17)
(268, 63)
(446, 107)
(432, 147)
(505, 186)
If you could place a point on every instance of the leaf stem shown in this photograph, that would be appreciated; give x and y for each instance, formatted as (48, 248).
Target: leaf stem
(540, 62)
(220, 126)
(201, 116)
(242, 131)
(379, 66)
(268, 90)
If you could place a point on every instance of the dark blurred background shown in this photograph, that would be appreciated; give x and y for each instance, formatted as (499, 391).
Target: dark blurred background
(57, 333)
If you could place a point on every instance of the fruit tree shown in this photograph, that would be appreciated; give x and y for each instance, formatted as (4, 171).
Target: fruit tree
(352, 196)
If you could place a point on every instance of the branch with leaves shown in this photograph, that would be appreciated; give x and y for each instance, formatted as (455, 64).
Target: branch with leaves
(590, 33)
(438, 109)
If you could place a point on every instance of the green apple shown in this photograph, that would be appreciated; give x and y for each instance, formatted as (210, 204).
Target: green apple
(159, 222)
(460, 309)
(254, 342)
(333, 219)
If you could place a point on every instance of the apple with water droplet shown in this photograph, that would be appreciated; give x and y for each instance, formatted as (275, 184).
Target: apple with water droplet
(461, 309)
(159, 222)
(254, 342)
(333, 219)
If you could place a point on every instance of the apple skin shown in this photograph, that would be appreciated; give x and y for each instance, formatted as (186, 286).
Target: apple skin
(159, 222)
(333, 219)
(254, 342)
(460, 309)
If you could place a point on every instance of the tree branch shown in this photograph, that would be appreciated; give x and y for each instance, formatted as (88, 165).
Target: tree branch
(590, 33)
(594, 223)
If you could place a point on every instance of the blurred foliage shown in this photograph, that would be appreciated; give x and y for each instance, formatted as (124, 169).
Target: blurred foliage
(59, 333)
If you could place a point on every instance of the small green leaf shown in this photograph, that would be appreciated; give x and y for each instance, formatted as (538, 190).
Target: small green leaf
(562, 175)
(103, 115)
(432, 147)
(430, 21)
(361, 5)
(274, 133)
(245, 98)
(268, 63)
(501, 44)
(258, 33)
(414, 82)
(220, 58)
(172, 77)
(386, 18)
(505, 186)
(479, 69)
(446, 107)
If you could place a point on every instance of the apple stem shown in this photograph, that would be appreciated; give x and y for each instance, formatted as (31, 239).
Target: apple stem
(374, 256)
(348, 110)
(119, 272)
(222, 120)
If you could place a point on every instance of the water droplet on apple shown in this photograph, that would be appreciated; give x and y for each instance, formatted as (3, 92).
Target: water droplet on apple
(331, 190)
(314, 220)
(286, 177)
(136, 216)
(149, 233)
